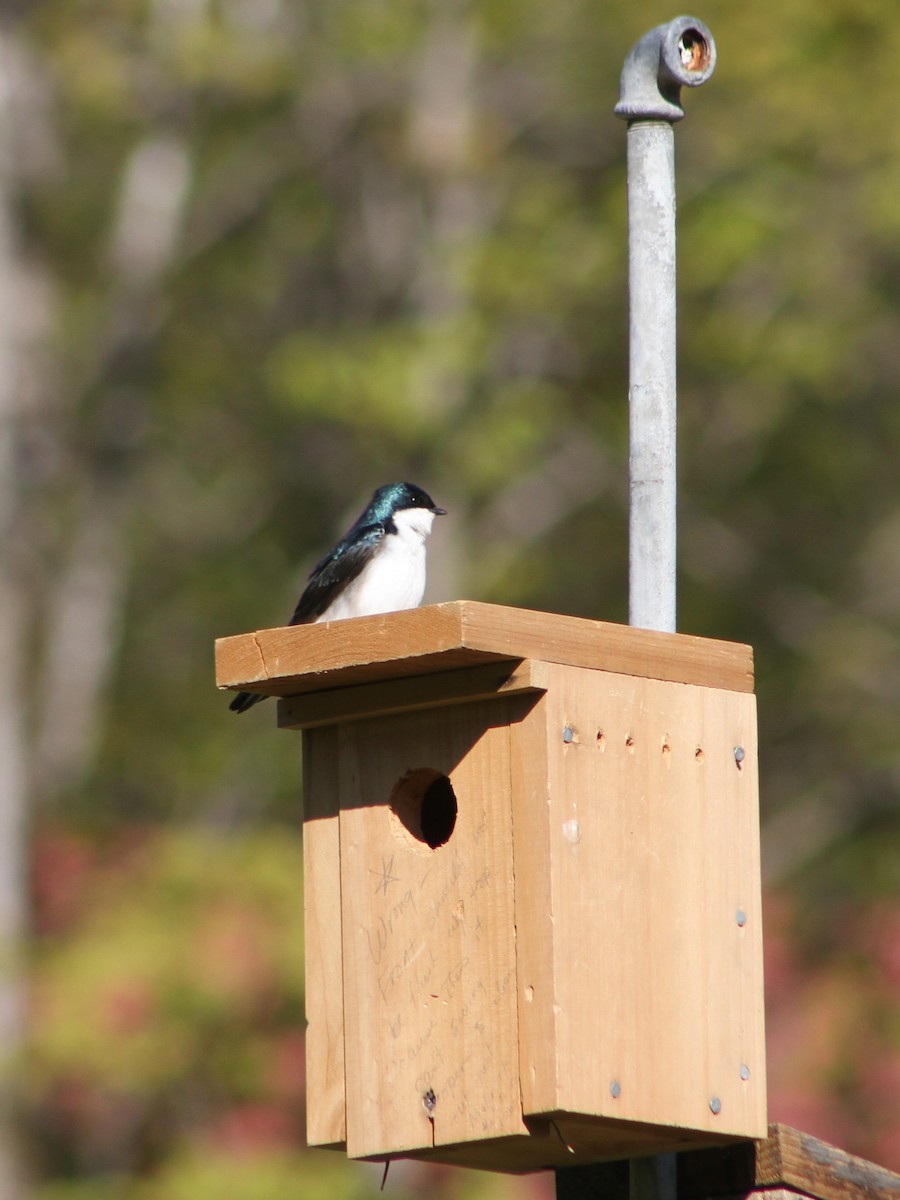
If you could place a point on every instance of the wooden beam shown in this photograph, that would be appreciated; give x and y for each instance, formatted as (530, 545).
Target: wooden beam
(493, 681)
(804, 1163)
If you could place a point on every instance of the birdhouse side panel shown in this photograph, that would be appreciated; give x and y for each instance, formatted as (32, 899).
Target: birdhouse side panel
(653, 851)
(428, 929)
(325, 1125)
(535, 916)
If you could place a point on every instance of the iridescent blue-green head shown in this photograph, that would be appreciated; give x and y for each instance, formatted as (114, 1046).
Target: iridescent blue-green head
(392, 498)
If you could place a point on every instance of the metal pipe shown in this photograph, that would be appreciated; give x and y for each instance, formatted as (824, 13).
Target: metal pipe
(679, 53)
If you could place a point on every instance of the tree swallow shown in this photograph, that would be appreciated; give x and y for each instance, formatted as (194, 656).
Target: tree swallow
(378, 565)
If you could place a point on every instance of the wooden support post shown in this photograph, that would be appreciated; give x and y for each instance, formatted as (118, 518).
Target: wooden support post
(651, 1178)
(596, 1182)
(654, 1178)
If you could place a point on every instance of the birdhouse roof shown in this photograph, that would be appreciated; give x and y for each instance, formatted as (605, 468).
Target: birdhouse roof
(464, 633)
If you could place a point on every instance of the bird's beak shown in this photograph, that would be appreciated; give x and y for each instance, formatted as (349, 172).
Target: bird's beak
(439, 512)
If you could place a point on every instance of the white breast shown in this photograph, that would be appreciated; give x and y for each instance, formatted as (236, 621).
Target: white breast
(395, 578)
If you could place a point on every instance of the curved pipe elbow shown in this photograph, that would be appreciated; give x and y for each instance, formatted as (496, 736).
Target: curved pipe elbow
(681, 53)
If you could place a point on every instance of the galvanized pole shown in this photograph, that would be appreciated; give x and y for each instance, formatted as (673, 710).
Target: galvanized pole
(665, 59)
(680, 53)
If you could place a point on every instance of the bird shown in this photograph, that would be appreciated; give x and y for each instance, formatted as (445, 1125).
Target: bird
(378, 565)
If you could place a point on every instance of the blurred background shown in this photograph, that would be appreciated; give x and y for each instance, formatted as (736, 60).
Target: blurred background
(258, 257)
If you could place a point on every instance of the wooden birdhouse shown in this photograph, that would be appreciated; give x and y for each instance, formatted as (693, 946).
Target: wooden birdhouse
(533, 930)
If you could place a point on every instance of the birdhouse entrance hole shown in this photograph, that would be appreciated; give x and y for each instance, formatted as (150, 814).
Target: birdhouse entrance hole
(423, 809)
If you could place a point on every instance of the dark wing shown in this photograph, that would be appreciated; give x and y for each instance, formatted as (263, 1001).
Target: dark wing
(327, 580)
(335, 571)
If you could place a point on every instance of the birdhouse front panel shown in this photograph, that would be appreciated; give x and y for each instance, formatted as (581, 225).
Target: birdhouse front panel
(428, 937)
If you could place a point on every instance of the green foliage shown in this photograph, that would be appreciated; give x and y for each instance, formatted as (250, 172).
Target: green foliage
(168, 1056)
(169, 957)
(206, 1177)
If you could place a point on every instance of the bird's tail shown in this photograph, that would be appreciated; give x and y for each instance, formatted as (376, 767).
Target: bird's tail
(245, 700)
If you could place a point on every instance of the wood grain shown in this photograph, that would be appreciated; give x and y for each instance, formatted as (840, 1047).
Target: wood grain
(464, 633)
(554, 1143)
(576, 972)
(644, 997)
(808, 1165)
(785, 1159)
(428, 936)
(325, 1124)
(493, 681)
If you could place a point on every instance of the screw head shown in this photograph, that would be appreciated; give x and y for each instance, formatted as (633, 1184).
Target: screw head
(741, 917)
(615, 1089)
(568, 734)
(739, 754)
(745, 1071)
(715, 1106)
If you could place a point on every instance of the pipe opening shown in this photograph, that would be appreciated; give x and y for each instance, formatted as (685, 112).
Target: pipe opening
(693, 49)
